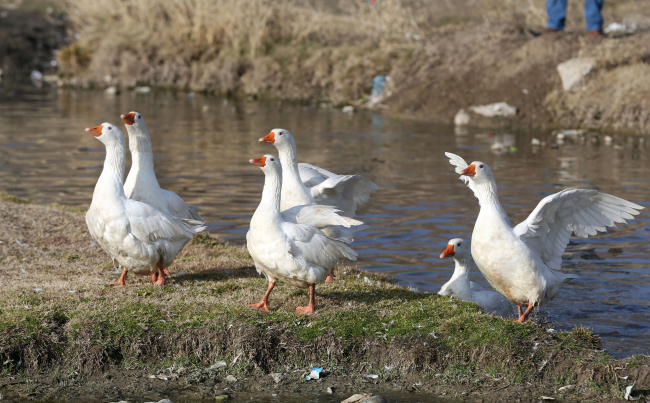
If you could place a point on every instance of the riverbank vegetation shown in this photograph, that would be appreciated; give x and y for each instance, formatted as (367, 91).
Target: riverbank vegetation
(441, 55)
(63, 328)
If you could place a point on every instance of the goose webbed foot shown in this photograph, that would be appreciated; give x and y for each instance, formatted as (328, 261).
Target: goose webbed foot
(331, 277)
(311, 308)
(523, 317)
(264, 303)
(121, 280)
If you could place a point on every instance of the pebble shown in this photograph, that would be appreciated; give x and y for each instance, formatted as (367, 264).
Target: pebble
(231, 378)
(277, 377)
(461, 118)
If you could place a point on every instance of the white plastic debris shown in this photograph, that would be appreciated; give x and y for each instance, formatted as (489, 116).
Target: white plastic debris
(371, 376)
(546, 398)
(93, 244)
(73, 291)
(461, 118)
(573, 71)
(496, 146)
(112, 90)
(36, 76)
(348, 109)
(566, 388)
(535, 142)
(550, 330)
(492, 110)
(38, 289)
(608, 140)
(24, 245)
(142, 90)
(314, 374)
(616, 27)
(217, 365)
(628, 393)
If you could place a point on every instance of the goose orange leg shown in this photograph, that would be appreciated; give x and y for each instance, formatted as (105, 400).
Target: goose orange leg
(524, 317)
(309, 309)
(161, 275)
(330, 277)
(122, 279)
(154, 277)
(519, 311)
(264, 303)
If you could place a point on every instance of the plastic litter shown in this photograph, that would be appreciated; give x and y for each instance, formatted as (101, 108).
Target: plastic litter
(616, 27)
(217, 365)
(38, 289)
(628, 393)
(348, 109)
(24, 245)
(315, 373)
(371, 376)
(142, 90)
(378, 85)
(565, 388)
(492, 110)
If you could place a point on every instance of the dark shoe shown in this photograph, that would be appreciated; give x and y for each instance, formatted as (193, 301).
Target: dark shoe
(596, 34)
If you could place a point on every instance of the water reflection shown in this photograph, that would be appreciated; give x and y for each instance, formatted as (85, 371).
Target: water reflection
(202, 145)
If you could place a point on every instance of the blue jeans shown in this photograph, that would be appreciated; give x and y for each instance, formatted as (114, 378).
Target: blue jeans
(556, 10)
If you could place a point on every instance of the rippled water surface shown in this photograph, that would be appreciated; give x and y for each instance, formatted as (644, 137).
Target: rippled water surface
(202, 145)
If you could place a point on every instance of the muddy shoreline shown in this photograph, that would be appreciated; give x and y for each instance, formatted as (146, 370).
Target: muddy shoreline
(65, 334)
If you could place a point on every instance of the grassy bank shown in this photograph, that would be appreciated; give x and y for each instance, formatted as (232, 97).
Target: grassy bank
(63, 330)
(441, 55)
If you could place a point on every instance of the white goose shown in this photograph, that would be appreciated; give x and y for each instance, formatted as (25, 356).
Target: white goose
(297, 253)
(522, 262)
(460, 287)
(138, 236)
(141, 183)
(308, 184)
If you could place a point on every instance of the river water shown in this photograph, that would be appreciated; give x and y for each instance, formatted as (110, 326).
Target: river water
(202, 146)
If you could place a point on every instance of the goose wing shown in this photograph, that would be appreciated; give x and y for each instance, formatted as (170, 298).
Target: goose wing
(583, 212)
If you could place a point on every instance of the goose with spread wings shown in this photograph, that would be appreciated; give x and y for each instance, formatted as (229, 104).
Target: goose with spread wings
(523, 262)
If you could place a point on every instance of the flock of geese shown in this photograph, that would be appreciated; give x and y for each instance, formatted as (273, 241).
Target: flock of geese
(304, 224)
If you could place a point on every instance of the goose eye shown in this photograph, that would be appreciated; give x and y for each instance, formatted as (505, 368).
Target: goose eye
(139, 117)
(110, 128)
(457, 244)
(272, 159)
(480, 166)
(280, 133)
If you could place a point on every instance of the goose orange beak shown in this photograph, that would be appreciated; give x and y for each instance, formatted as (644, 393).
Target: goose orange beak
(469, 171)
(96, 131)
(128, 118)
(260, 162)
(269, 138)
(448, 252)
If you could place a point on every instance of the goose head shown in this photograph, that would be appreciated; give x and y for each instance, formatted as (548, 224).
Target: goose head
(479, 171)
(107, 133)
(268, 164)
(134, 120)
(457, 248)
(279, 138)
